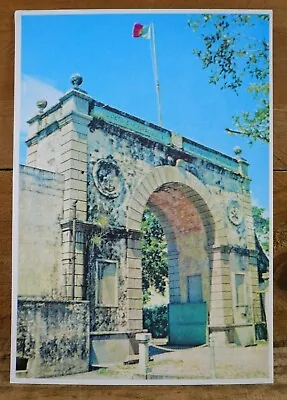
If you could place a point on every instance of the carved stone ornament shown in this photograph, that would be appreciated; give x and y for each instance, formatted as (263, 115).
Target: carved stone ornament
(107, 177)
(234, 212)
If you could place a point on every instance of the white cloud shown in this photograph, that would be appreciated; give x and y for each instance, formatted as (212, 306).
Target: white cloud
(32, 90)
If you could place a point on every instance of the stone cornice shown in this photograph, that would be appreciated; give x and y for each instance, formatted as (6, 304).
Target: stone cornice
(89, 227)
(243, 251)
(55, 125)
(171, 150)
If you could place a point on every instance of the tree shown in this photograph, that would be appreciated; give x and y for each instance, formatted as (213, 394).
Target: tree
(261, 226)
(237, 57)
(154, 255)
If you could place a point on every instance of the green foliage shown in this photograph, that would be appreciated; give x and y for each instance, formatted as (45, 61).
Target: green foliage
(154, 255)
(155, 320)
(101, 222)
(236, 58)
(96, 240)
(261, 226)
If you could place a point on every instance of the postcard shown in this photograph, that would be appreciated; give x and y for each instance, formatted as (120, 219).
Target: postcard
(142, 211)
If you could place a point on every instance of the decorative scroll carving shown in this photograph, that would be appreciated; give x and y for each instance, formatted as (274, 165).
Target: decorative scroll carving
(234, 212)
(107, 177)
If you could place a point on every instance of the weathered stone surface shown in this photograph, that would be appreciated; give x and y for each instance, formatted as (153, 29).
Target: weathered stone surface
(53, 336)
(39, 251)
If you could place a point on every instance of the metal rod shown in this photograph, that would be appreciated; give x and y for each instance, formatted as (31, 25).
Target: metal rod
(156, 74)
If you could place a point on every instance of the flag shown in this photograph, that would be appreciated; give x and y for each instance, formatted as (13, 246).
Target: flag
(140, 30)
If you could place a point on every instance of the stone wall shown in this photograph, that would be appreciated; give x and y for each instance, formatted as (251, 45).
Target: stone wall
(129, 157)
(53, 336)
(39, 249)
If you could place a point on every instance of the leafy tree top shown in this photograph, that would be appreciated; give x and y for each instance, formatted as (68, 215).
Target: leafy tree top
(236, 56)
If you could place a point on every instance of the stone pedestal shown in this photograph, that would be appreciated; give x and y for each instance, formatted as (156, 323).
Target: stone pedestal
(143, 339)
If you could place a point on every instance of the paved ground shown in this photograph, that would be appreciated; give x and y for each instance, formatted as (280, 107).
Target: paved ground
(193, 363)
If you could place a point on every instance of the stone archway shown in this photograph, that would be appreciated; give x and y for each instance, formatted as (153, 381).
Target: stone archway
(194, 231)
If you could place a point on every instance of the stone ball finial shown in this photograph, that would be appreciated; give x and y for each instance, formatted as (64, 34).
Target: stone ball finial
(76, 80)
(41, 104)
(237, 151)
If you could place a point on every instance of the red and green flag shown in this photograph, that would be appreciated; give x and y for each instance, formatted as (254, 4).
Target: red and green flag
(141, 31)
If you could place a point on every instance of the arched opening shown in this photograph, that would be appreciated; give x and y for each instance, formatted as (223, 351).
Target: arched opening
(187, 225)
(189, 230)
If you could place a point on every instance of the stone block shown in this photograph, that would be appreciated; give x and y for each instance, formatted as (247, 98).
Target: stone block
(74, 194)
(219, 296)
(79, 268)
(68, 279)
(135, 304)
(78, 292)
(68, 206)
(221, 288)
(158, 178)
(76, 184)
(73, 164)
(161, 173)
(174, 292)
(134, 273)
(82, 215)
(134, 314)
(147, 188)
(77, 145)
(71, 153)
(132, 224)
(134, 263)
(66, 242)
(135, 215)
(143, 337)
(152, 181)
(75, 174)
(220, 279)
(110, 347)
(174, 298)
(134, 253)
(221, 312)
(135, 283)
(217, 321)
(64, 325)
(173, 262)
(174, 284)
(134, 293)
(69, 134)
(135, 325)
(139, 199)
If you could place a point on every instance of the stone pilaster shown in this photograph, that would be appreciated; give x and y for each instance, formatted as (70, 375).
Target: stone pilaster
(73, 271)
(221, 315)
(255, 296)
(74, 126)
(134, 287)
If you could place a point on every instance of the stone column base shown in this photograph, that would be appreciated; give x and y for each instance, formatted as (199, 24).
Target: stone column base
(241, 335)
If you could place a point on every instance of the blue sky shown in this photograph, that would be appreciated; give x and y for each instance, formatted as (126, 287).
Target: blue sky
(117, 70)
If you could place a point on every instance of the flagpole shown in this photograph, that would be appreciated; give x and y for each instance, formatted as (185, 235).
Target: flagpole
(156, 74)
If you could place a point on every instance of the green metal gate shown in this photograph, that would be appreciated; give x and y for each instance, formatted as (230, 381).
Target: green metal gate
(188, 323)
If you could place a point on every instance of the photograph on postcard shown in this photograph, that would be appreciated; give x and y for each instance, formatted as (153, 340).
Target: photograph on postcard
(142, 197)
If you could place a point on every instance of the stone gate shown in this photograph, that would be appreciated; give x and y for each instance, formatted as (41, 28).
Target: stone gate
(112, 166)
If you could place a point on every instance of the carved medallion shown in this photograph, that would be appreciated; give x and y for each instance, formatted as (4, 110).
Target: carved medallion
(234, 212)
(107, 177)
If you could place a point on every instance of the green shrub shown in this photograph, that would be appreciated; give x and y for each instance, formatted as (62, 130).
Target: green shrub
(155, 320)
